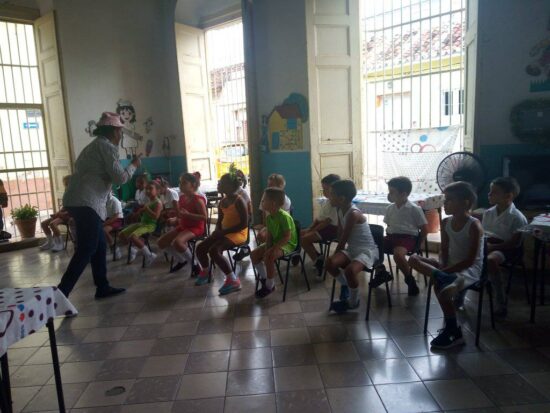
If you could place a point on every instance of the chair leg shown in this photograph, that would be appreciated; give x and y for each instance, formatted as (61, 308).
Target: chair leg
(369, 297)
(129, 249)
(279, 272)
(332, 293)
(389, 264)
(526, 283)
(388, 295)
(491, 307)
(326, 255)
(427, 313)
(304, 273)
(114, 245)
(286, 279)
(479, 311)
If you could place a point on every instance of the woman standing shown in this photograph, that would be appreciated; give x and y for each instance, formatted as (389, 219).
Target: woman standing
(96, 170)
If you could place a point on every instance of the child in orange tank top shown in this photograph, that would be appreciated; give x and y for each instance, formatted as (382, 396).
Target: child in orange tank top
(231, 230)
(191, 222)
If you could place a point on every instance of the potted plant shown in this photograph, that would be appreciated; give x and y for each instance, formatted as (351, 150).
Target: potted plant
(25, 220)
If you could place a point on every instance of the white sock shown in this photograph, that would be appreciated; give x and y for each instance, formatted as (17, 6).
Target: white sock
(187, 255)
(270, 283)
(262, 272)
(353, 295)
(342, 279)
(145, 251)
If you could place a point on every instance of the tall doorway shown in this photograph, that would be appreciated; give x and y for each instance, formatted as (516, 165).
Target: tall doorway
(212, 83)
(24, 167)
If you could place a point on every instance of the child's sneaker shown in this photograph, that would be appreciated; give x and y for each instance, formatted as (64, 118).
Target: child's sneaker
(149, 259)
(202, 278)
(58, 245)
(412, 288)
(178, 266)
(344, 293)
(340, 307)
(230, 286)
(47, 245)
(133, 255)
(195, 270)
(448, 338)
(118, 253)
(381, 276)
(264, 291)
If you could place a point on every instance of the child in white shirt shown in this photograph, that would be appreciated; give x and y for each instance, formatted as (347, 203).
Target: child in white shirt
(461, 259)
(140, 196)
(501, 224)
(114, 222)
(356, 247)
(323, 228)
(406, 223)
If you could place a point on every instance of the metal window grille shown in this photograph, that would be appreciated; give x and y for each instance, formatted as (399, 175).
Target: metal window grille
(24, 167)
(225, 62)
(413, 73)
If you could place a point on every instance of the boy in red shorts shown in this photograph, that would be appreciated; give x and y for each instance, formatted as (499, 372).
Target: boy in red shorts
(404, 220)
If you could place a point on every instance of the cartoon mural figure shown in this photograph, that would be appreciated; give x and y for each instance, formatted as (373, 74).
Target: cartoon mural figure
(130, 139)
(90, 128)
(541, 65)
(285, 128)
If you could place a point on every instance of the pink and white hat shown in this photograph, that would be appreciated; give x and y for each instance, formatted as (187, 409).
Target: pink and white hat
(110, 119)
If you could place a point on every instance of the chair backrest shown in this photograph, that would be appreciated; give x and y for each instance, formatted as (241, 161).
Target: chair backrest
(377, 232)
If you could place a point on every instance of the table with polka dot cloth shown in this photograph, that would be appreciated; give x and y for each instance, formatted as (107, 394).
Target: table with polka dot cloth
(26, 310)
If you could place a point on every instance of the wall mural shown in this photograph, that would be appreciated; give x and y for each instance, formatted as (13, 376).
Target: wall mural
(539, 67)
(282, 128)
(132, 139)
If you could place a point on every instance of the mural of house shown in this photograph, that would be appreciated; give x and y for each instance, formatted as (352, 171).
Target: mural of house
(285, 128)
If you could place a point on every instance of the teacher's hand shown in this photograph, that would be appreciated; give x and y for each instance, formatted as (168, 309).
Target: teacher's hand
(136, 160)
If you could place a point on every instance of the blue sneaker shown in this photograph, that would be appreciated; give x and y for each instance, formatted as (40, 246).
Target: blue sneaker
(201, 280)
(230, 286)
(344, 293)
(340, 307)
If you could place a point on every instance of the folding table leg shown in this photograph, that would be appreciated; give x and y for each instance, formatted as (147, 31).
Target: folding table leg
(5, 386)
(56, 370)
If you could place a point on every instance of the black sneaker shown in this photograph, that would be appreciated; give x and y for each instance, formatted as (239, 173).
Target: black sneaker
(341, 307)
(381, 276)
(241, 254)
(412, 287)
(108, 292)
(178, 266)
(295, 260)
(264, 291)
(448, 338)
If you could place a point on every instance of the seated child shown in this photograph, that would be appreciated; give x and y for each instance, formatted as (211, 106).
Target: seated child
(140, 195)
(501, 224)
(191, 222)
(273, 181)
(148, 215)
(460, 262)
(242, 192)
(403, 219)
(231, 230)
(200, 192)
(54, 240)
(323, 228)
(356, 247)
(169, 198)
(281, 239)
(114, 222)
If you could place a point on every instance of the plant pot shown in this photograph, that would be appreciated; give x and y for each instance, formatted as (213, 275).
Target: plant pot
(26, 227)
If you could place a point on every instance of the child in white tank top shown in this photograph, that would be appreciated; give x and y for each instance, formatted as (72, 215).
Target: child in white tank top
(461, 259)
(356, 247)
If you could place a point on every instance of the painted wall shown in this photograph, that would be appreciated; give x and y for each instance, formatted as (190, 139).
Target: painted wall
(281, 68)
(192, 12)
(127, 53)
(507, 31)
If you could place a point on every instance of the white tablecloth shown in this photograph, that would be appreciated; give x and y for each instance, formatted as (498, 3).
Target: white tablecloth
(26, 310)
(376, 204)
(539, 227)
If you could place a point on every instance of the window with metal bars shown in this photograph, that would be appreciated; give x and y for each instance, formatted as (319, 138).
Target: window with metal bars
(413, 80)
(24, 167)
(225, 62)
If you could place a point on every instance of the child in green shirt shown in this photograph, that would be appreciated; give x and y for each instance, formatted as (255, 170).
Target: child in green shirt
(281, 239)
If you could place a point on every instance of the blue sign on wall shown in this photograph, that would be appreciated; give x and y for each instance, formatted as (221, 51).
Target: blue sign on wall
(30, 125)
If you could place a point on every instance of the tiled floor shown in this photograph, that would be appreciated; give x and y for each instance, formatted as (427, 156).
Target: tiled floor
(175, 347)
